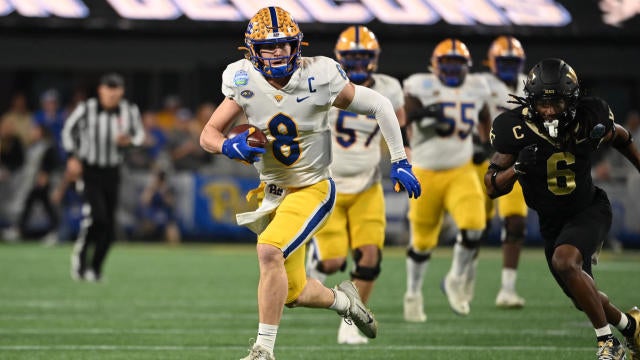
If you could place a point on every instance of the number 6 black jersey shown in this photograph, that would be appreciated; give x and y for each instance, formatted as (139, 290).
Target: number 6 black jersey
(560, 183)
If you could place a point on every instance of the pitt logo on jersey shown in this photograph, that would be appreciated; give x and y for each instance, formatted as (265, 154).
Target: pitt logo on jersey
(274, 189)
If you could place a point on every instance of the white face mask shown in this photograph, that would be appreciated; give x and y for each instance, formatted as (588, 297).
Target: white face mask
(552, 127)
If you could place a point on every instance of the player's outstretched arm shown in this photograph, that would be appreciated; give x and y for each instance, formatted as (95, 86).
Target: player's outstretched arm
(212, 135)
(362, 100)
(623, 142)
(501, 175)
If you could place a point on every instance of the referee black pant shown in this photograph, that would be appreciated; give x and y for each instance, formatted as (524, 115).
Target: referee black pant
(38, 194)
(97, 233)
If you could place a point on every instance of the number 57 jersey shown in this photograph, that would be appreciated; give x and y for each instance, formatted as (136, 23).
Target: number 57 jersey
(356, 140)
(445, 143)
(293, 117)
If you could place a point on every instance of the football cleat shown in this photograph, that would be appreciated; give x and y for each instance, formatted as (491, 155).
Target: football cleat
(452, 287)
(357, 50)
(349, 334)
(509, 300)
(258, 352)
(506, 58)
(451, 61)
(633, 342)
(414, 308)
(268, 27)
(91, 276)
(357, 312)
(610, 350)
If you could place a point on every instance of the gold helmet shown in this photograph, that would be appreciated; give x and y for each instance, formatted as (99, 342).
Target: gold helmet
(451, 61)
(357, 50)
(506, 58)
(269, 26)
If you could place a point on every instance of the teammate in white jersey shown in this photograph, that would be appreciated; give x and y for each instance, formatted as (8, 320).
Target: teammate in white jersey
(357, 223)
(443, 108)
(288, 97)
(506, 58)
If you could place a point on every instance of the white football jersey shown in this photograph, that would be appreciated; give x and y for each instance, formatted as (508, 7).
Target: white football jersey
(499, 99)
(446, 144)
(356, 140)
(294, 117)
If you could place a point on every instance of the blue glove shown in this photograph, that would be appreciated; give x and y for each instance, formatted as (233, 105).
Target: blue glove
(403, 178)
(238, 149)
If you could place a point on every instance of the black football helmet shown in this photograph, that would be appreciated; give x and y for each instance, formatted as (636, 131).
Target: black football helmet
(553, 82)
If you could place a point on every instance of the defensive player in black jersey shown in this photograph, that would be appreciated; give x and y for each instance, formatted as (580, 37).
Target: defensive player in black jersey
(546, 144)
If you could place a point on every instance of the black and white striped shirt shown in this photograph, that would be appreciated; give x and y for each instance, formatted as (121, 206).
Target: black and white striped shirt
(91, 132)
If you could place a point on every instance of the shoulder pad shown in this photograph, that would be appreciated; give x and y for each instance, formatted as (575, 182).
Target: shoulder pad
(507, 132)
(592, 111)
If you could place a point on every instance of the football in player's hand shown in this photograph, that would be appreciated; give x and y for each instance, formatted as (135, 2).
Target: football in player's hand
(256, 137)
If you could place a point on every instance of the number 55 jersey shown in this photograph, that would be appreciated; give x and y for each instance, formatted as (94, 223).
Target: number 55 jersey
(445, 143)
(294, 117)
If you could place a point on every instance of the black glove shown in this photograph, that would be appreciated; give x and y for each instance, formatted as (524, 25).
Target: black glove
(526, 159)
(481, 152)
(434, 110)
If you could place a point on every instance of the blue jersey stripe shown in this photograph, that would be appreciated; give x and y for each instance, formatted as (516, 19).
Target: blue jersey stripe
(274, 18)
(321, 214)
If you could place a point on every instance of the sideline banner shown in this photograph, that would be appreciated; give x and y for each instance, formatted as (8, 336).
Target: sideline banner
(215, 201)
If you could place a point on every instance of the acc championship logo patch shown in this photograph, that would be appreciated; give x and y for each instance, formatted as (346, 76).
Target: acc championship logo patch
(246, 93)
(241, 78)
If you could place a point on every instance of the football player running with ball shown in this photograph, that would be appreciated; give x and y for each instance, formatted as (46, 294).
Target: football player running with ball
(546, 144)
(443, 108)
(357, 223)
(288, 96)
(506, 59)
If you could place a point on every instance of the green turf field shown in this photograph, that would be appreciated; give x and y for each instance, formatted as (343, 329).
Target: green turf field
(199, 302)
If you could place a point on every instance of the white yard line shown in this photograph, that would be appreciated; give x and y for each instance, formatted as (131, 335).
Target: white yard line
(327, 330)
(285, 347)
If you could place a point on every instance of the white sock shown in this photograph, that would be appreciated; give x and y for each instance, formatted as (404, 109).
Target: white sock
(509, 279)
(415, 275)
(462, 257)
(624, 321)
(267, 336)
(341, 302)
(603, 331)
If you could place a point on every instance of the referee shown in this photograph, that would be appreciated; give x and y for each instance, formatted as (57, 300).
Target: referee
(94, 136)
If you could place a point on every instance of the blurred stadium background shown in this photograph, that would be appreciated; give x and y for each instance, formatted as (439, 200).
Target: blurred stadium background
(172, 54)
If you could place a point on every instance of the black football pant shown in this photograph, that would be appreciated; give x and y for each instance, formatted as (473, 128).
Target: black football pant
(98, 227)
(38, 194)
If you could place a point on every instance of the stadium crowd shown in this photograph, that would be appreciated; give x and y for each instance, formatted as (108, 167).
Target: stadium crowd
(32, 159)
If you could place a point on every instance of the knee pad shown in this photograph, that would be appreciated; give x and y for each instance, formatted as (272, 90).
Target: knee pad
(364, 272)
(418, 257)
(470, 238)
(514, 229)
(320, 267)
